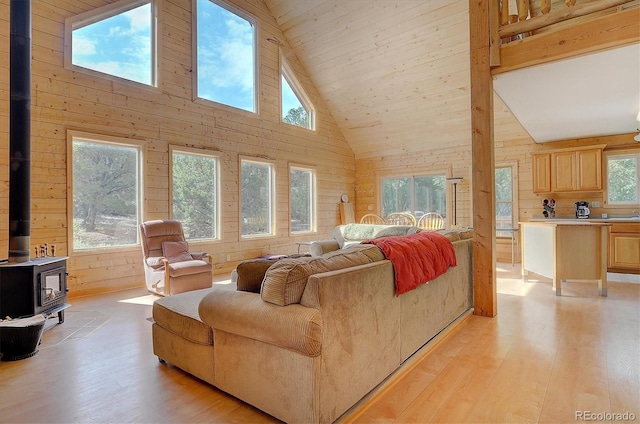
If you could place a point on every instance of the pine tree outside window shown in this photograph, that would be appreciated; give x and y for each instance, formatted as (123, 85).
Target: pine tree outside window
(106, 191)
(195, 191)
(296, 107)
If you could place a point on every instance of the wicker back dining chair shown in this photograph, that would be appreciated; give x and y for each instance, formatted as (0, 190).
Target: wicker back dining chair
(431, 221)
(400, 218)
(371, 218)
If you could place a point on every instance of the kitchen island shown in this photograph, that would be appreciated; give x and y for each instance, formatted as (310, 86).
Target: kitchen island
(565, 250)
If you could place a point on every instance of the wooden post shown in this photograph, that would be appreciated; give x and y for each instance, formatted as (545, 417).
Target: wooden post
(523, 10)
(504, 12)
(485, 297)
(570, 3)
(546, 6)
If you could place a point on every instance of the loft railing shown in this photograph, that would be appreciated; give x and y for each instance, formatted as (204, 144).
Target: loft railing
(513, 20)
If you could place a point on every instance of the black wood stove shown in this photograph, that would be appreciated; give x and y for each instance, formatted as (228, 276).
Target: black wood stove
(38, 286)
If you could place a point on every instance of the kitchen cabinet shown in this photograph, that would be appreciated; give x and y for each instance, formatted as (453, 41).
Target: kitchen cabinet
(568, 170)
(563, 171)
(589, 170)
(542, 173)
(624, 247)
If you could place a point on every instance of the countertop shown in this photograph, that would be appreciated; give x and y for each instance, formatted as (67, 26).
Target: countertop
(567, 220)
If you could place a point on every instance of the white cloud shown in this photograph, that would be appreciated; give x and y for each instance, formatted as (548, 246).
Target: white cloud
(83, 46)
(139, 19)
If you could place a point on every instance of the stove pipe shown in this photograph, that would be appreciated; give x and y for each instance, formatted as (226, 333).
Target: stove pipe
(20, 131)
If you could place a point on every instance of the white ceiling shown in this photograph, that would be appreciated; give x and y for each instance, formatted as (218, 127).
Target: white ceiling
(587, 96)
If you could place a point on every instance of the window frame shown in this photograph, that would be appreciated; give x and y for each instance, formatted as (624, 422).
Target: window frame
(272, 198)
(434, 172)
(72, 135)
(515, 211)
(216, 156)
(313, 201)
(287, 73)
(256, 57)
(105, 12)
(631, 152)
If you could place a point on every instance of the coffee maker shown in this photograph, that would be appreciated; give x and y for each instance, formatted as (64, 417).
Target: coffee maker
(582, 210)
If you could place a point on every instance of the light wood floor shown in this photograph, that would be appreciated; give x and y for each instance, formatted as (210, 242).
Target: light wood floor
(543, 359)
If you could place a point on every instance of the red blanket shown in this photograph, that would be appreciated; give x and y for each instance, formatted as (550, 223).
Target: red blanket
(417, 258)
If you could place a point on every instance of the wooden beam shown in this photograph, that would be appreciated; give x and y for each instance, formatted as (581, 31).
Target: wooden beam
(554, 17)
(485, 297)
(603, 33)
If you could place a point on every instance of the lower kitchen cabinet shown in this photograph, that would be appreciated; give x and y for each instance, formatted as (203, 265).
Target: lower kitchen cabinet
(624, 248)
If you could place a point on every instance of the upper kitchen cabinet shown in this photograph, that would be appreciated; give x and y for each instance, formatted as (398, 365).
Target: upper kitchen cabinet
(541, 172)
(568, 170)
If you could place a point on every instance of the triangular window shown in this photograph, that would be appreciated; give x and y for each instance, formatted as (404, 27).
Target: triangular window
(296, 107)
(118, 39)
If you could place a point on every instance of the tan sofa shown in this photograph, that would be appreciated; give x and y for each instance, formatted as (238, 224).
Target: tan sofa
(339, 335)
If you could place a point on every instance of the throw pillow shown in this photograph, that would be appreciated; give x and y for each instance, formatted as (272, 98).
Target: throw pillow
(176, 251)
(251, 273)
(285, 281)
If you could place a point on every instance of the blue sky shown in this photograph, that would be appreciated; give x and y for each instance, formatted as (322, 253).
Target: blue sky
(121, 46)
(225, 56)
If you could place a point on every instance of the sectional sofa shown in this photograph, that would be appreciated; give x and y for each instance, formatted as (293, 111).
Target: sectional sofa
(307, 349)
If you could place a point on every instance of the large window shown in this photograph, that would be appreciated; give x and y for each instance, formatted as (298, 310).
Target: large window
(117, 39)
(195, 192)
(302, 199)
(257, 197)
(506, 198)
(106, 191)
(225, 57)
(415, 194)
(296, 106)
(623, 186)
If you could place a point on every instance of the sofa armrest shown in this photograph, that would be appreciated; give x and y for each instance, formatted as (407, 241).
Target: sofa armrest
(294, 327)
(317, 248)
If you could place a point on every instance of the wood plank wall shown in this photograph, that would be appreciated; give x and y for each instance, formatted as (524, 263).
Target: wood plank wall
(70, 100)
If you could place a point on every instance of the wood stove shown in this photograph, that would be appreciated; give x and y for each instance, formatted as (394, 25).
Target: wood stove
(38, 286)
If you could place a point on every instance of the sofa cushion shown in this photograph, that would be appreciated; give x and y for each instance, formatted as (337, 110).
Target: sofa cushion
(457, 234)
(179, 315)
(251, 273)
(176, 251)
(284, 281)
(349, 234)
(397, 230)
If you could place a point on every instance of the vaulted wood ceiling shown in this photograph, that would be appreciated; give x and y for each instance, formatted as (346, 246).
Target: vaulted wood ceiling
(394, 74)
